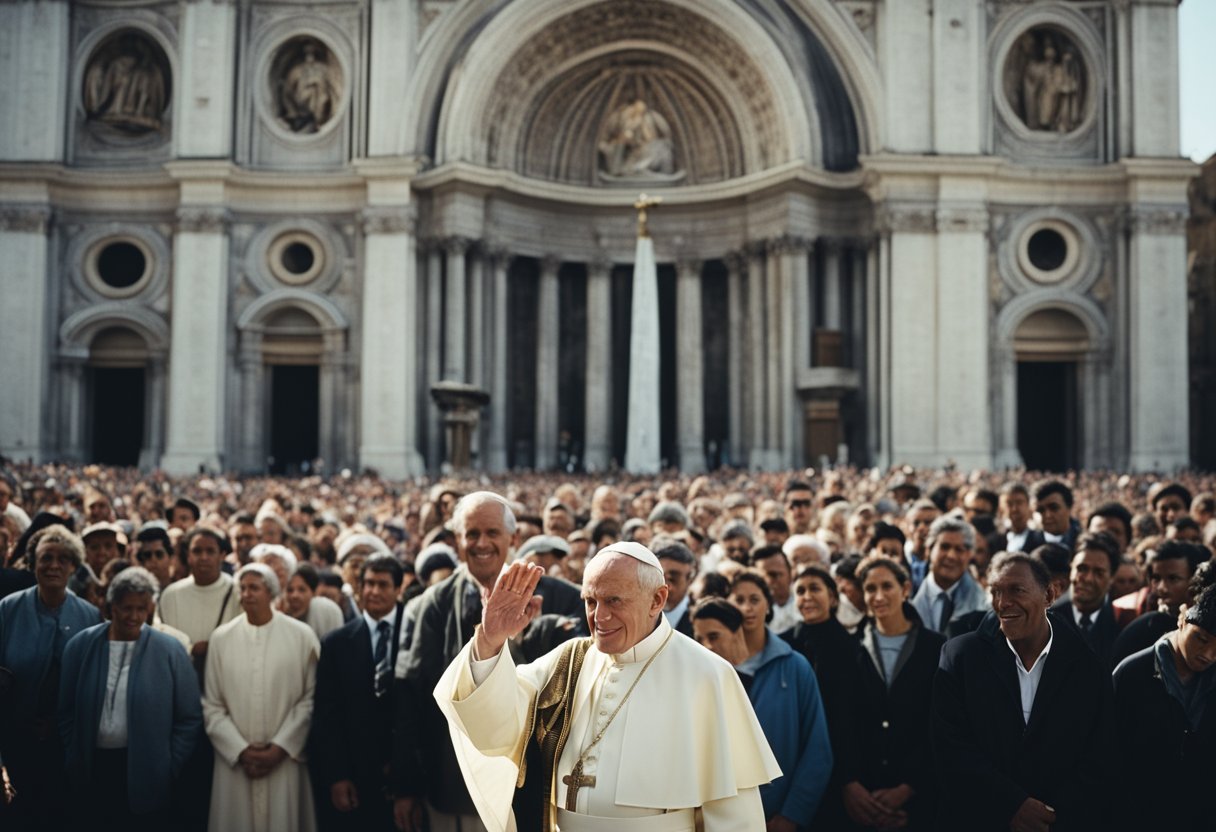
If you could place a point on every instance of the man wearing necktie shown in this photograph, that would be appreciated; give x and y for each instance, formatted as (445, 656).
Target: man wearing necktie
(949, 591)
(1086, 606)
(350, 745)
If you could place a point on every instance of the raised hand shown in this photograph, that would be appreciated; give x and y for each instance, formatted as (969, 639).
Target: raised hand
(509, 608)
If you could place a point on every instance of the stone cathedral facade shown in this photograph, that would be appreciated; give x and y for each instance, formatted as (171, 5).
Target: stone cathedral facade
(240, 235)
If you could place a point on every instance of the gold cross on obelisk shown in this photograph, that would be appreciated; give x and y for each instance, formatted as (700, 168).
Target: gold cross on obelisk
(574, 781)
(644, 202)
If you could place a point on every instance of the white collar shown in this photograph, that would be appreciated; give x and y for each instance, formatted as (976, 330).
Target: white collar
(674, 615)
(647, 647)
(1051, 636)
(935, 589)
(391, 618)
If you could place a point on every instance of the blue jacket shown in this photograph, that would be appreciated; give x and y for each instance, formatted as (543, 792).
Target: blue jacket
(785, 695)
(164, 712)
(28, 643)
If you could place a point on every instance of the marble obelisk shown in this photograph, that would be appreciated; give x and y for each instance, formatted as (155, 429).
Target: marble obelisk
(642, 437)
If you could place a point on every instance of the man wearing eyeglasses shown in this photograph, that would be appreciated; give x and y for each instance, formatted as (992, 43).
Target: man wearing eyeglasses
(350, 744)
(799, 507)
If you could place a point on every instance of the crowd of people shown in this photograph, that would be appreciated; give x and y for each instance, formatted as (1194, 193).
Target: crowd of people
(922, 649)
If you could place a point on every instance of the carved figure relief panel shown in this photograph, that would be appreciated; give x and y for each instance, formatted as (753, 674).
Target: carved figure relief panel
(122, 105)
(1051, 68)
(300, 100)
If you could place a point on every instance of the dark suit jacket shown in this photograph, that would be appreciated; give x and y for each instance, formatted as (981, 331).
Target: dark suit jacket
(351, 737)
(1034, 539)
(993, 760)
(1102, 634)
(684, 625)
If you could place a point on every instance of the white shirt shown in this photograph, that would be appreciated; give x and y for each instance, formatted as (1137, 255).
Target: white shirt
(112, 728)
(1014, 541)
(937, 597)
(785, 616)
(372, 624)
(1028, 680)
(677, 612)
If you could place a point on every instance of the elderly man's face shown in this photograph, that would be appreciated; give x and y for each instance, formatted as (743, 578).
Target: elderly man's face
(619, 612)
(100, 549)
(777, 575)
(484, 542)
(949, 558)
(255, 595)
(1020, 602)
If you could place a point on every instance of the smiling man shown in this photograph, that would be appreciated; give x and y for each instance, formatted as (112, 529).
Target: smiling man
(1003, 698)
(1086, 606)
(636, 728)
(949, 592)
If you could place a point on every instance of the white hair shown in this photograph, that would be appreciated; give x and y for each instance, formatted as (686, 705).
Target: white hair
(269, 579)
(262, 551)
(471, 501)
(134, 580)
(805, 541)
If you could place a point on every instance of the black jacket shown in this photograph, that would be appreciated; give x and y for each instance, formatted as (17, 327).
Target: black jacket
(835, 655)
(993, 760)
(1166, 766)
(351, 736)
(1141, 633)
(1102, 633)
(890, 726)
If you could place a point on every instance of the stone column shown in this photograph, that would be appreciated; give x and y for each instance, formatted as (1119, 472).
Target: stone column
(252, 405)
(959, 103)
(1005, 418)
(496, 460)
(885, 355)
(72, 405)
(393, 31)
(736, 266)
(548, 323)
(774, 382)
(757, 421)
(857, 309)
(34, 62)
(690, 383)
(198, 346)
(598, 427)
(455, 360)
(963, 418)
(477, 319)
(796, 345)
(1160, 434)
(1151, 100)
(154, 413)
(389, 378)
(203, 94)
(872, 341)
(24, 251)
(331, 390)
(434, 352)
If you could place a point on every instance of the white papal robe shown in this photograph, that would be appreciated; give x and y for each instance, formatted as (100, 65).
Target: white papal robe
(259, 689)
(686, 739)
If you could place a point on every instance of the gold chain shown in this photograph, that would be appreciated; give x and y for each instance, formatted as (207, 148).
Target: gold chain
(624, 699)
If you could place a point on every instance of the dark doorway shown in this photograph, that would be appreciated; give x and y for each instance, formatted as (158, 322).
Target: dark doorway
(523, 300)
(118, 415)
(715, 340)
(572, 364)
(1047, 414)
(294, 417)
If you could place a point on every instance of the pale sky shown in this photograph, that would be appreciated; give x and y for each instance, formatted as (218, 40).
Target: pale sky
(1197, 45)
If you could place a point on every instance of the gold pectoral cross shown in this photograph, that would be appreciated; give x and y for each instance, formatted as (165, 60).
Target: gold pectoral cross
(574, 781)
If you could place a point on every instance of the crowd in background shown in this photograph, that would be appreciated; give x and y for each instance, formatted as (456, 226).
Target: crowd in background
(831, 592)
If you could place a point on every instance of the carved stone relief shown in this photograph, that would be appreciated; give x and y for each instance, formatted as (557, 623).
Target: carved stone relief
(127, 85)
(636, 145)
(307, 83)
(1045, 81)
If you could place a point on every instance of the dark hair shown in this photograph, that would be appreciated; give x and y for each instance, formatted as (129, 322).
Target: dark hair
(300, 543)
(308, 573)
(666, 547)
(242, 517)
(605, 528)
(41, 520)
(1115, 511)
(720, 610)
(155, 534)
(188, 504)
(846, 567)
(797, 485)
(1194, 554)
(882, 562)
(1014, 487)
(1056, 559)
(984, 525)
(713, 585)
(1204, 577)
(386, 563)
(1185, 523)
(1100, 542)
(987, 495)
(829, 499)
(775, 524)
(885, 531)
(1006, 559)
(764, 553)
(1145, 524)
(1048, 487)
(1176, 490)
(754, 576)
(814, 570)
(941, 495)
(210, 531)
(1202, 613)
(325, 577)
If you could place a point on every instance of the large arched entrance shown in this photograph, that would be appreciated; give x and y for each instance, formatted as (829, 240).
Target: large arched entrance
(1050, 346)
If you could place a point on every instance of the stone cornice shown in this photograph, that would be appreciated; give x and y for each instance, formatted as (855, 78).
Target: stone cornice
(201, 219)
(389, 220)
(30, 219)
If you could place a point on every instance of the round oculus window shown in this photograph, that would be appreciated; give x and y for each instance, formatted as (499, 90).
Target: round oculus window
(296, 257)
(118, 267)
(1049, 251)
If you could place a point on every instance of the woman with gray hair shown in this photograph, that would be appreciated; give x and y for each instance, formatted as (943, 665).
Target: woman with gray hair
(261, 672)
(129, 711)
(35, 626)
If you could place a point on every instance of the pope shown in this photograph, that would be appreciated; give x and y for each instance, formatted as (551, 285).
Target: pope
(636, 728)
